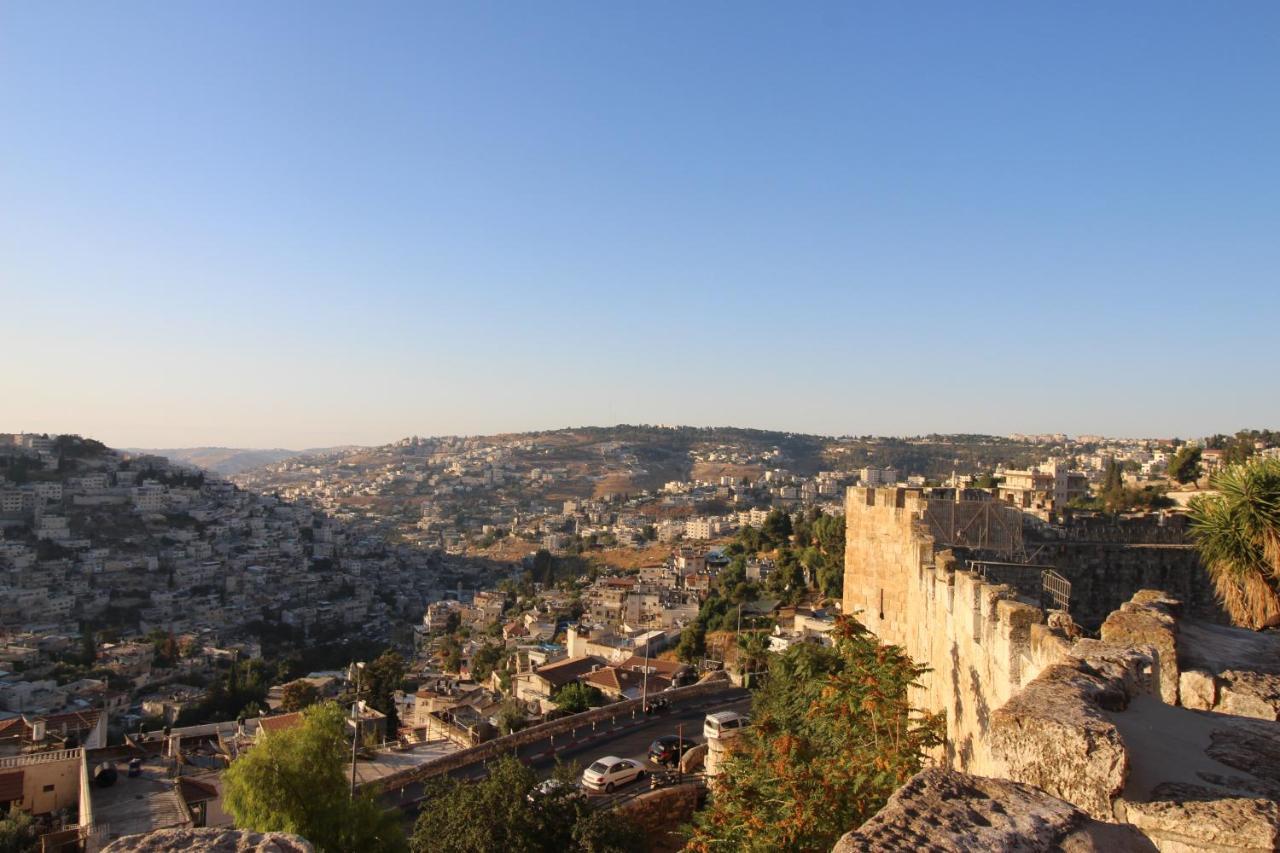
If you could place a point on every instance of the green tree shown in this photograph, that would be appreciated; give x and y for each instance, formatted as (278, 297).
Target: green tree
(693, 643)
(832, 736)
(1113, 495)
(487, 659)
(298, 695)
(777, 527)
(296, 781)
(510, 716)
(379, 683)
(1185, 465)
(18, 833)
(507, 811)
(543, 566)
(753, 651)
(88, 646)
(577, 697)
(1237, 532)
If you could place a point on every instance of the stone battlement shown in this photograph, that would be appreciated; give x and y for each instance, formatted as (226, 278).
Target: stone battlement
(1147, 730)
(981, 641)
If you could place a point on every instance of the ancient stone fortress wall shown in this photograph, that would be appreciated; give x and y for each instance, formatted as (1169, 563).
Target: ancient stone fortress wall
(1163, 733)
(980, 642)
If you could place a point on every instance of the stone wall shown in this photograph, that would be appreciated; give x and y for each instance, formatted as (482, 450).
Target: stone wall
(662, 811)
(1162, 729)
(981, 643)
(1105, 574)
(210, 841)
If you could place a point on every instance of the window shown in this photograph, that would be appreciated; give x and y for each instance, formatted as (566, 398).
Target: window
(48, 789)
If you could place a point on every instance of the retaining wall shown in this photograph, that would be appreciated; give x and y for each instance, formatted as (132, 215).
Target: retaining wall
(534, 734)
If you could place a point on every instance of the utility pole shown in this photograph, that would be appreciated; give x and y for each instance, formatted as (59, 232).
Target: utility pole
(644, 690)
(355, 722)
(680, 752)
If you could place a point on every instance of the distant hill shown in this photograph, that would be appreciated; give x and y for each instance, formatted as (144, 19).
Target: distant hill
(227, 460)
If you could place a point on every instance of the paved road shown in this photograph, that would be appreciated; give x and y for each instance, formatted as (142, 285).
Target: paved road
(627, 738)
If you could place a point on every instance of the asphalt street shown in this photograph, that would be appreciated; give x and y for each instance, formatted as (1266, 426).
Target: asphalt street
(625, 737)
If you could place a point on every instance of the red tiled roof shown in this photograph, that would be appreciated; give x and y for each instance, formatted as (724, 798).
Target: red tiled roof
(562, 672)
(282, 722)
(605, 679)
(72, 720)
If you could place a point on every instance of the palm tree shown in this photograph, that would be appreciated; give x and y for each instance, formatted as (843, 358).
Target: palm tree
(1238, 533)
(753, 651)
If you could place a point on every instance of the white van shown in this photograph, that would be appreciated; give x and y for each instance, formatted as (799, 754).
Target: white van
(725, 724)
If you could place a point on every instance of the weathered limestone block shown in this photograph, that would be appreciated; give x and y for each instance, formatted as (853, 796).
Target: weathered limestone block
(1250, 694)
(1251, 747)
(1197, 689)
(1180, 818)
(1054, 735)
(1130, 670)
(210, 840)
(942, 810)
(1149, 619)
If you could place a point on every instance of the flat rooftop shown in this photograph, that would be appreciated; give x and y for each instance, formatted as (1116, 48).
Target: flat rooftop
(139, 804)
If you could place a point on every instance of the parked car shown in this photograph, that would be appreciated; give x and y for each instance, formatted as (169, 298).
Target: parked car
(724, 724)
(610, 772)
(667, 750)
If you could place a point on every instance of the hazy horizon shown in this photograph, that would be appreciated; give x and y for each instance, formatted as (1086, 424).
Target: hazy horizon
(291, 226)
(386, 441)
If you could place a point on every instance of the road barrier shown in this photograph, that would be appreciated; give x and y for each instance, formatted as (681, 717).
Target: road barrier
(544, 731)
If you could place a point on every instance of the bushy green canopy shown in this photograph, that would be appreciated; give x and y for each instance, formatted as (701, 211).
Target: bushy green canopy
(506, 812)
(296, 780)
(832, 736)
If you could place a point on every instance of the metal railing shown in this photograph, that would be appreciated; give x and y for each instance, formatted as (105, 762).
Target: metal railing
(40, 757)
(1055, 591)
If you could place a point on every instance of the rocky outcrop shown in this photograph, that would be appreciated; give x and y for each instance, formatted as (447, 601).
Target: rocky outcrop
(1149, 619)
(1197, 689)
(1249, 694)
(1180, 817)
(1235, 671)
(944, 811)
(210, 841)
(1055, 736)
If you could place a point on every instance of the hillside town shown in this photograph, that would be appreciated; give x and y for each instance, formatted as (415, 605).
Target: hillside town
(559, 490)
(157, 610)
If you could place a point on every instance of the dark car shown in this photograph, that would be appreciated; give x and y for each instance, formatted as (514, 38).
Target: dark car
(667, 749)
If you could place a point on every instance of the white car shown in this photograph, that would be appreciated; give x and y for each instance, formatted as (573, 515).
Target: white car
(555, 789)
(725, 724)
(610, 772)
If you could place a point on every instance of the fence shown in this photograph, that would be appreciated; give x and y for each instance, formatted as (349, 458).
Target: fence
(1038, 583)
(1055, 591)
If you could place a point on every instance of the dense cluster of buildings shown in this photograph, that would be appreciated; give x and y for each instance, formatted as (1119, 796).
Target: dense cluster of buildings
(95, 545)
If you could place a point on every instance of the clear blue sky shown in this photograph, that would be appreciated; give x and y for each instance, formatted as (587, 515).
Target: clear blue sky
(302, 224)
